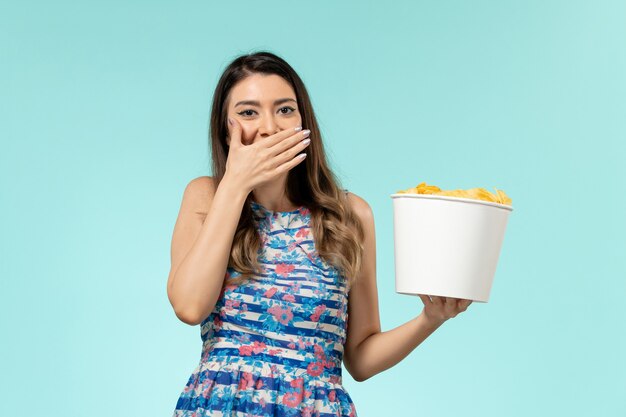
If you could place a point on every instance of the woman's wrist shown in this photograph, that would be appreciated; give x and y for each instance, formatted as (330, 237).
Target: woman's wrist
(235, 187)
(430, 321)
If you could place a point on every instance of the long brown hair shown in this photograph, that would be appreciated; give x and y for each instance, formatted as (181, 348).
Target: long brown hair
(337, 231)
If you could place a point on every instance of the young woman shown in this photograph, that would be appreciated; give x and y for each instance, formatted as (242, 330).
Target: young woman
(277, 262)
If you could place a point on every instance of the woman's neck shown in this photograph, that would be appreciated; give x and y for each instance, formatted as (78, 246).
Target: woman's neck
(273, 196)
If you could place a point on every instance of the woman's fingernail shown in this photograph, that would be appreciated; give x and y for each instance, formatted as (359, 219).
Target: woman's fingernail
(299, 128)
(230, 121)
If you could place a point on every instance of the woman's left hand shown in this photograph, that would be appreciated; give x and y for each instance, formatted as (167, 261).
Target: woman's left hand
(439, 309)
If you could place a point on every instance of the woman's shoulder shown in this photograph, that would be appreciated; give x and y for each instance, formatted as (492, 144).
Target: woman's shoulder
(203, 183)
(360, 206)
(199, 192)
(201, 186)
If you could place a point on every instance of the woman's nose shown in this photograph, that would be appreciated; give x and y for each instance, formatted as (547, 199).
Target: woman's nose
(268, 126)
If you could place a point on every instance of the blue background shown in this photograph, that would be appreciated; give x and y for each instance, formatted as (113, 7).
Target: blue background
(104, 109)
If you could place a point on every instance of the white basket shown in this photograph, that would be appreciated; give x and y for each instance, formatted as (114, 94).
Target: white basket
(447, 246)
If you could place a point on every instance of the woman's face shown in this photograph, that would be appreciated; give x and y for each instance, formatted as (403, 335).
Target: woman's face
(263, 105)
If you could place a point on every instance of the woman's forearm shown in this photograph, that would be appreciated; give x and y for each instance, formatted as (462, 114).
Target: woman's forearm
(197, 282)
(383, 350)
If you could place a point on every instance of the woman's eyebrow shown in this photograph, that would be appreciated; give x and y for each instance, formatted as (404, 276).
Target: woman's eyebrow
(256, 103)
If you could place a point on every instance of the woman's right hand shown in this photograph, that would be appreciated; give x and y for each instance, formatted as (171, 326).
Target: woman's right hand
(262, 161)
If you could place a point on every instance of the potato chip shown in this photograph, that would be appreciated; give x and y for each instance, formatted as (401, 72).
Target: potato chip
(499, 197)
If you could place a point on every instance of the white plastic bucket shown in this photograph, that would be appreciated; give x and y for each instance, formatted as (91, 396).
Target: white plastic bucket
(447, 246)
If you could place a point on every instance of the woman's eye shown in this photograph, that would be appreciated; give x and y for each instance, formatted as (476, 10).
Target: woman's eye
(289, 108)
(246, 112)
